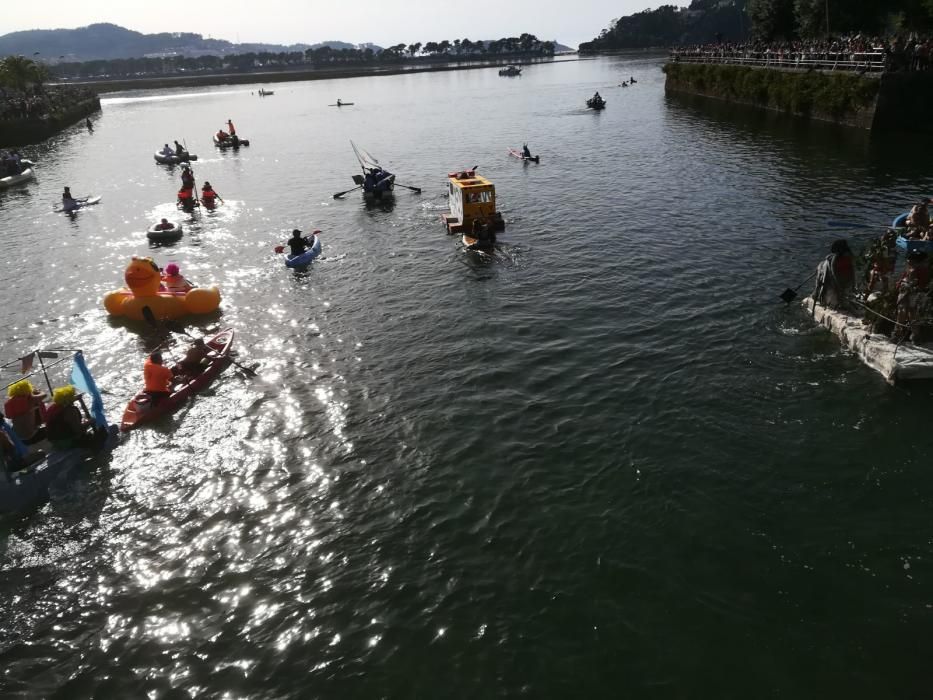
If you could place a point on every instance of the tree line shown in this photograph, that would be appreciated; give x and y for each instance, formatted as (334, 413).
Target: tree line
(320, 57)
(709, 21)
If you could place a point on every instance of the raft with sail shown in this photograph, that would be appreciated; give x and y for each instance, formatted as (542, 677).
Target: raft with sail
(29, 474)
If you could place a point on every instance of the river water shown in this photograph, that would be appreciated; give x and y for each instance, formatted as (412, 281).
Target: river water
(606, 462)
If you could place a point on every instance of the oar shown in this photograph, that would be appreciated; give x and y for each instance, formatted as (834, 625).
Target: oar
(409, 187)
(178, 328)
(341, 194)
(788, 295)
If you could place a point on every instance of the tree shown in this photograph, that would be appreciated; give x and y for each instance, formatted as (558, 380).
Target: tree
(19, 73)
(772, 19)
(431, 48)
(443, 47)
(414, 48)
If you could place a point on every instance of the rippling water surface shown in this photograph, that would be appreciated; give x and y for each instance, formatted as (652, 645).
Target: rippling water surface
(603, 463)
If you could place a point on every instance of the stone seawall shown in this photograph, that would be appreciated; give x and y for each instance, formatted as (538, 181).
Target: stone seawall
(890, 102)
(22, 132)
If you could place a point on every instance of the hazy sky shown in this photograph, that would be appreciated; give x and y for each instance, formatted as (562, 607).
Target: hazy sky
(383, 22)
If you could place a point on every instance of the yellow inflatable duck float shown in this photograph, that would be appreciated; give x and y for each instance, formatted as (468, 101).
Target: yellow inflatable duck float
(144, 281)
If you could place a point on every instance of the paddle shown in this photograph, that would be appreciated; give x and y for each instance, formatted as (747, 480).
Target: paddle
(178, 328)
(788, 295)
(341, 194)
(409, 187)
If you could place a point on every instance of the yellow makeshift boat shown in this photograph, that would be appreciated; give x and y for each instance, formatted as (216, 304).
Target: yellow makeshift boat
(472, 199)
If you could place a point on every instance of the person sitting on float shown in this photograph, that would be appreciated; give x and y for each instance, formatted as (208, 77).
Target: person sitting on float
(26, 411)
(167, 151)
(180, 150)
(65, 426)
(164, 225)
(597, 97)
(222, 135)
(157, 378)
(918, 221)
(173, 281)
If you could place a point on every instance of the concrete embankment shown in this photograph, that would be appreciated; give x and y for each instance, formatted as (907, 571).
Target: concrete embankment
(887, 102)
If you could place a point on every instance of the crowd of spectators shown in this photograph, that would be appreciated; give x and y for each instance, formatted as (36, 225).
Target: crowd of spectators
(858, 52)
(40, 102)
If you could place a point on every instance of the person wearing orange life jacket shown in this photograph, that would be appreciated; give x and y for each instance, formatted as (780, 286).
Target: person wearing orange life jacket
(157, 378)
(208, 195)
(186, 198)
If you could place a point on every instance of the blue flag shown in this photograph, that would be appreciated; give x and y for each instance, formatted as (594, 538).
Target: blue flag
(21, 449)
(83, 381)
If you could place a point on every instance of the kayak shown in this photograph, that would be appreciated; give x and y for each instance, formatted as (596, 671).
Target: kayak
(306, 257)
(909, 245)
(230, 143)
(342, 104)
(90, 201)
(14, 180)
(515, 153)
(163, 159)
(160, 235)
(140, 410)
(266, 93)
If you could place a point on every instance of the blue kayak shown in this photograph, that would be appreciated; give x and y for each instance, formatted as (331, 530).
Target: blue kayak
(909, 244)
(306, 257)
(900, 221)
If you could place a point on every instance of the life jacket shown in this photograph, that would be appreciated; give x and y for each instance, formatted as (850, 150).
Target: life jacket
(157, 377)
(208, 194)
(184, 194)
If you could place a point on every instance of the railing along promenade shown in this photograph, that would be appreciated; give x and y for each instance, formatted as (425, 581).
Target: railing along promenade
(862, 62)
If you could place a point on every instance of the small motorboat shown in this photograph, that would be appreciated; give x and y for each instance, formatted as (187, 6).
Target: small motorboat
(140, 409)
(14, 180)
(510, 71)
(164, 159)
(518, 153)
(233, 142)
(157, 234)
(306, 257)
(593, 103)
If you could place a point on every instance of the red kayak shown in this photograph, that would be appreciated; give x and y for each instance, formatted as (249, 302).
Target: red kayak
(516, 153)
(140, 409)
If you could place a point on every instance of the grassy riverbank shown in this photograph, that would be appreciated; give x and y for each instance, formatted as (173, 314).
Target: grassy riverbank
(281, 76)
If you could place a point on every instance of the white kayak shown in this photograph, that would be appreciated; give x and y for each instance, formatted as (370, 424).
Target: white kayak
(159, 235)
(13, 180)
(81, 203)
(172, 159)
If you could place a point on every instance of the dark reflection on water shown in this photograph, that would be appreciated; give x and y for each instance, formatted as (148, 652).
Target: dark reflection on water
(602, 459)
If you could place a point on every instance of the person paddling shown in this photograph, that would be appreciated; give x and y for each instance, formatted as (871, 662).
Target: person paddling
(298, 243)
(526, 152)
(69, 203)
(157, 378)
(187, 178)
(193, 363)
(208, 195)
(180, 150)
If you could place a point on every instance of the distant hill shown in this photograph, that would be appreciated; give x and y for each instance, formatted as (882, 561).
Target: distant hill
(108, 41)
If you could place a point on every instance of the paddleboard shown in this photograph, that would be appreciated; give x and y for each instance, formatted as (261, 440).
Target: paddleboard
(86, 203)
(515, 153)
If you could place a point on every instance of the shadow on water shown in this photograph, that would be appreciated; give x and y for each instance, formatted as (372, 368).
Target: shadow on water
(883, 153)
